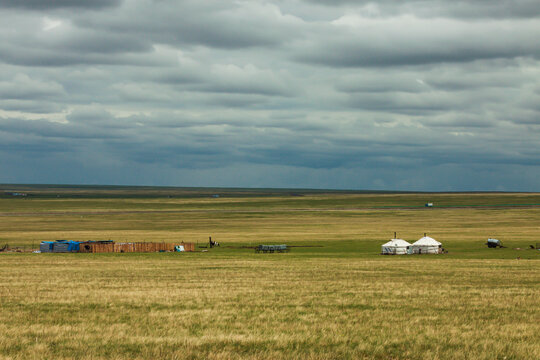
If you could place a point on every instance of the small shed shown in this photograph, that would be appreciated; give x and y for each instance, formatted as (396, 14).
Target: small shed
(395, 247)
(426, 245)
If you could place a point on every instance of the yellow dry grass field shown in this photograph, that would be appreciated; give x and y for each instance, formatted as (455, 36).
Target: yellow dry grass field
(331, 297)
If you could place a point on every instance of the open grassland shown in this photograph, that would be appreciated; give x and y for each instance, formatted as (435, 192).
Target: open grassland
(225, 306)
(336, 300)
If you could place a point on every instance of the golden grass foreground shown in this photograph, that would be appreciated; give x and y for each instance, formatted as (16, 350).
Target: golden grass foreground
(338, 301)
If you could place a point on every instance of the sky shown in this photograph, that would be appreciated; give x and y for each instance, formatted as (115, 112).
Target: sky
(419, 95)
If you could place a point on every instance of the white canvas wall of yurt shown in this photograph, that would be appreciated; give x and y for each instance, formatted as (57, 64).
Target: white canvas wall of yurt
(395, 247)
(426, 245)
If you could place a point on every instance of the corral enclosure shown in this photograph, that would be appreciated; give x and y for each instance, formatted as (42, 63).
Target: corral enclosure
(331, 296)
(137, 247)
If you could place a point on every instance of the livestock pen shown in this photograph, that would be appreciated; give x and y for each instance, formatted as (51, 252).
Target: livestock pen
(134, 247)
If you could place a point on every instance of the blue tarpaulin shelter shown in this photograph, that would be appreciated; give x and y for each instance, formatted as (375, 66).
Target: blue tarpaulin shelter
(60, 246)
(73, 246)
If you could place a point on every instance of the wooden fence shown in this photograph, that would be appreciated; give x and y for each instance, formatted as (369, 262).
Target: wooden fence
(132, 247)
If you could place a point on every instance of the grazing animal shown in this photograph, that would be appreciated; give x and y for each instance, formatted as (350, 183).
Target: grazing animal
(212, 243)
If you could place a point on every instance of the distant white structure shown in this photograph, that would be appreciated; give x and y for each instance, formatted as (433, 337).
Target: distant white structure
(395, 247)
(426, 245)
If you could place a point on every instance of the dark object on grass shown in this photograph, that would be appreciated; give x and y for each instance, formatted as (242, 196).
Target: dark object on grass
(271, 248)
(494, 243)
(212, 242)
(4, 248)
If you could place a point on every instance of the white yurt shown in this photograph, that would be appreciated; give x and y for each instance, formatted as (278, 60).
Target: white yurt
(426, 245)
(395, 247)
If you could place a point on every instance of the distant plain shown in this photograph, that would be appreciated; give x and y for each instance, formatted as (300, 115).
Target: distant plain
(332, 297)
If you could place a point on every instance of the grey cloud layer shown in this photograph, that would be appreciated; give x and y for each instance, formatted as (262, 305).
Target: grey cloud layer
(383, 42)
(469, 9)
(56, 4)
(279, 93)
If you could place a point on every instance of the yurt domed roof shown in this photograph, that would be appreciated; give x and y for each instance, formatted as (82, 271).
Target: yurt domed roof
(427, 241)
(397, 243)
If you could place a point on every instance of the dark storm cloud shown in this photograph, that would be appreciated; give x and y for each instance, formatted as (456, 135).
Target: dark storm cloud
(187, 146)
(28, 146)
(48, 129)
